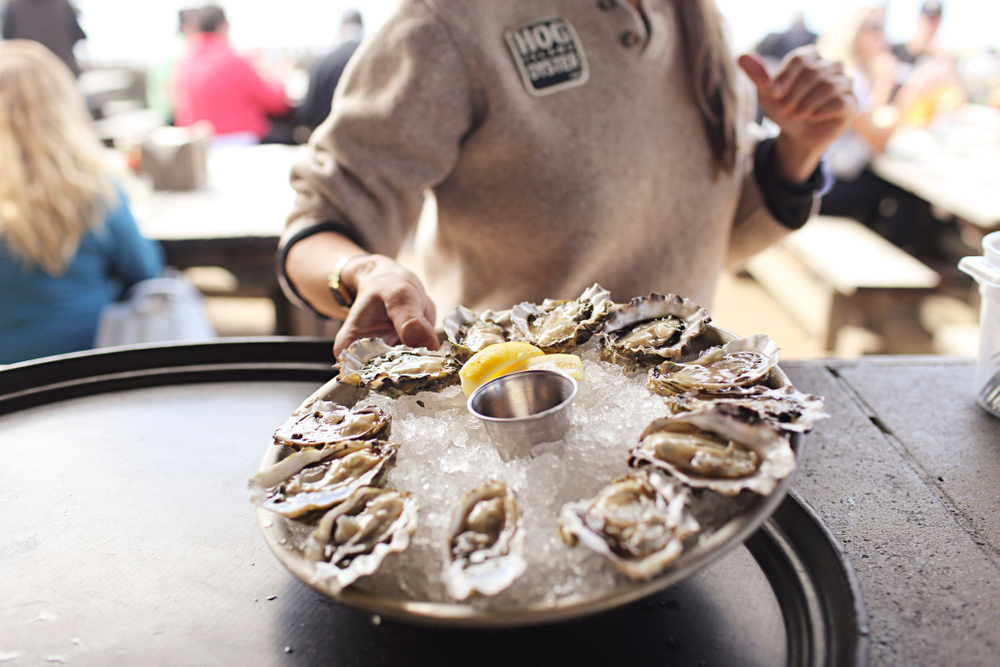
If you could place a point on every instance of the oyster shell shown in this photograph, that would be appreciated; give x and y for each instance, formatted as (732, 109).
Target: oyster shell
(560, 326)
(638, 522)
(738, 363)
(786, 409)
(394, 371)
(484, 543)
(469, 333)
(315, 479)
(325, 423)
(352, 539)
(649, 329)
(714, 450)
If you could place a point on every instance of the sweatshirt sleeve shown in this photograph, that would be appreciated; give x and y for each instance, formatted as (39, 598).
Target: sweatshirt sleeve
(768, 207)
(133, 257)
(400, 114)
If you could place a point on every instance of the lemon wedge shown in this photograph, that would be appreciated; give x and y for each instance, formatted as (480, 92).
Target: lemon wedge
(570, 364)
(494, 361)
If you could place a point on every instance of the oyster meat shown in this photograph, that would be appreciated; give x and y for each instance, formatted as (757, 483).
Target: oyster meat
(638, 522)
(315, 479)
(712, 449)
(484, 543)
(469, 332)
(739, 363)
(649, 329)
(352, 539)
(394, 371)
(325, 423)
(560, 326)
(786, 409)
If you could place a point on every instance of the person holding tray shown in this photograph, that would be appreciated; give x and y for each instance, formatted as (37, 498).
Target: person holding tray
(566, 143)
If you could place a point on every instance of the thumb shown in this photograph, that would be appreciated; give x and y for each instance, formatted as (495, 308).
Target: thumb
(755, 69)
(412, 327)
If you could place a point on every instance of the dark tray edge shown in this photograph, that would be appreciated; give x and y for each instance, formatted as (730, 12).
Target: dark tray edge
(272, 358)
(817, 586)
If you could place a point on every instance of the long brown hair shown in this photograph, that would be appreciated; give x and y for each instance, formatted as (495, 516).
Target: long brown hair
(54, 183)
(711, 76)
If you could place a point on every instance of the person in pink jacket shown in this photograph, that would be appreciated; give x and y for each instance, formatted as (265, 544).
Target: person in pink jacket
(214, 83)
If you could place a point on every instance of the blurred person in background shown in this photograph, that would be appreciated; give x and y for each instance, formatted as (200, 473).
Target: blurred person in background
(777, 45)
(159, 75)
(326, 72)
(68, 242)
(858, 40)
(50, 22)
(606, 144)
(923, 43)
(214, 83)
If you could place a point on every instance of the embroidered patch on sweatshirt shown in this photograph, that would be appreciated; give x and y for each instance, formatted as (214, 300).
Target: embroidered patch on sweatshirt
(549, 56)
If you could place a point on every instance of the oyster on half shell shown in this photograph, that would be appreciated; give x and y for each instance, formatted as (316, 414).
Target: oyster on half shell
(638, 522)
(394, 371)
(560, 326)
(469, 332)
(649, 329)
(715, 450)
(326, 423)
(786, 409)
(315, 479)
(484, 543)
(738, 363)
(352, 539)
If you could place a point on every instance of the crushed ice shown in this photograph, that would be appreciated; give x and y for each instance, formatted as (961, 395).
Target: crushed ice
(445, 452)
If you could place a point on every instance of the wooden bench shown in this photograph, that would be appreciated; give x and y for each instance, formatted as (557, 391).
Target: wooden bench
(836, 271)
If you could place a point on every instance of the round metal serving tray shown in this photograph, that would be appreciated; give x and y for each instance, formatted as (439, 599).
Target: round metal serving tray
(701, 552)
(786, 596)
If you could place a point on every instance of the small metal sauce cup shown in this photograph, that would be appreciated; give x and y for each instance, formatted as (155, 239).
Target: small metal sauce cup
(522, 409)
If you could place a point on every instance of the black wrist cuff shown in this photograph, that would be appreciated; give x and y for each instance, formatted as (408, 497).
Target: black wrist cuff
(791, 204)
(287, 285)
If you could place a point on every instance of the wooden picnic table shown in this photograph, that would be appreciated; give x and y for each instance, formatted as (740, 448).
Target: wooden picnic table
(954, 165)
(234, 222)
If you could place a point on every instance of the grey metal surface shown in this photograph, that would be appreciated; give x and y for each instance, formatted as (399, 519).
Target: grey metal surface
(906, 473)
(522, 409)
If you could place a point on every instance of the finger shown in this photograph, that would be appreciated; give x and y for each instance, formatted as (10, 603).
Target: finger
(430, 312)
(804, 82)
(366, 319)
(790, 68)
(823, 92)
(842, 107)
(756, 70)
(406, 308)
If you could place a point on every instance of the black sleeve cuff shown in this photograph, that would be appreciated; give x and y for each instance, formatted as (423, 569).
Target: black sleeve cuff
(286, 243)
(791, 204)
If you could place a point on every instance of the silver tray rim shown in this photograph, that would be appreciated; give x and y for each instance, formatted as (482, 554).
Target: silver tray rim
(700, 555)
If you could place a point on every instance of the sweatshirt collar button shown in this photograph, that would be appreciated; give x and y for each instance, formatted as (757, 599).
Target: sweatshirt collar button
(630, 38)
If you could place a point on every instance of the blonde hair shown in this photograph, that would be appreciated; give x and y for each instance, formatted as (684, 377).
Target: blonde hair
(54, 183)
(711, 76)
(839, 43)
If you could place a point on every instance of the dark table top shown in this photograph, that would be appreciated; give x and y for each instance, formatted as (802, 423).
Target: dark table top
(122, 543)
(906, 474)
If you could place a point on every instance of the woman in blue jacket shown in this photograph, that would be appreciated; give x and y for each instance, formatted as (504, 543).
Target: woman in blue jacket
(68, 242)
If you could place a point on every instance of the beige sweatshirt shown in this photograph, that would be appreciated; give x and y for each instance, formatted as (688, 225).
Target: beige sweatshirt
(560, 140)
